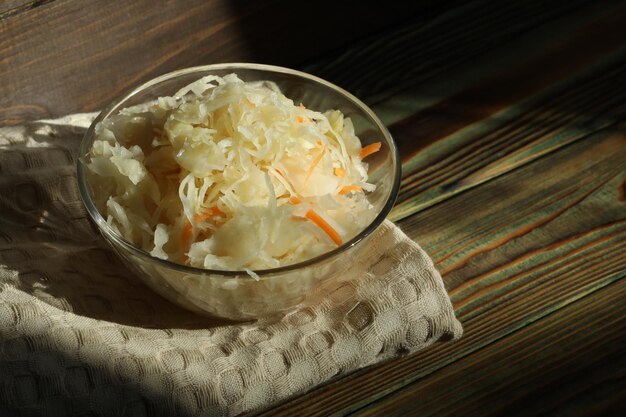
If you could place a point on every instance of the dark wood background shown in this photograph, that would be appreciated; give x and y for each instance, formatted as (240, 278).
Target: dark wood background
(63, 56)
(510, 117)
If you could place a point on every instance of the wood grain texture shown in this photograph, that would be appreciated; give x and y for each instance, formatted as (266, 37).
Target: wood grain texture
(67, 56)
(495, 105)
(12, 7)
(515, 116)
(574, 358)
(529, 243)
(433, 45)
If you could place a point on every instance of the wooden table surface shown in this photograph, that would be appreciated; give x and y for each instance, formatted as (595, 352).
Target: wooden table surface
(511, 124)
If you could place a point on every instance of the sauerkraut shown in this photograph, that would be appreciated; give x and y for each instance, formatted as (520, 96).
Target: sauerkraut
(231, 175)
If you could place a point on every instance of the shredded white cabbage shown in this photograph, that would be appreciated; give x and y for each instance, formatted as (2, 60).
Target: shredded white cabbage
(231, 175)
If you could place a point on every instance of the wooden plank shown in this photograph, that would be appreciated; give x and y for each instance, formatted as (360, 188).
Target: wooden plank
(569, 363)
(430, 46)
(511, 118)
(561, 58)
(526, 245)
(509, 103)
(522, 133)
(67, 56)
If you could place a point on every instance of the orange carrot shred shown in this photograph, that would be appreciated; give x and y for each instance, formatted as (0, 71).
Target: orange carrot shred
(250, 102)
(339, 172)
(208, 213)
(294, 200)
(327, 228)
(348, 188)
(186, 234)
(316, 161)
(370, 149)
(185, 239)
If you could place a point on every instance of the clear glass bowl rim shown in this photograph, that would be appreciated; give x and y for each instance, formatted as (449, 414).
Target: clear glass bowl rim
(104, 226)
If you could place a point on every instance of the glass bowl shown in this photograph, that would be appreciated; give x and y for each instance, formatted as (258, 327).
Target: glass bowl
(235, 294)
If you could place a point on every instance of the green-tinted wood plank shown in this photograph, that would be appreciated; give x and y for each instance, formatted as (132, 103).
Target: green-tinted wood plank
(542, 83)
(450, 35)
(537, 101)
(557, 116)
(494, 105)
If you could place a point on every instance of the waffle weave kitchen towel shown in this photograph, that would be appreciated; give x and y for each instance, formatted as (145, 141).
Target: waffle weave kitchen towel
(80, 335)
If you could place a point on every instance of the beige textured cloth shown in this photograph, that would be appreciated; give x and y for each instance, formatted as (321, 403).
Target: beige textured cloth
(79, 335)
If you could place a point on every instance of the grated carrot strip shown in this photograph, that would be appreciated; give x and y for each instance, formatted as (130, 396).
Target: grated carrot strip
(186, 234)
(339, 172)
(207, 214)
(369, 149)
(185, 240)
(316, 161)
(327, 228)
(349, 188)
(294, 200)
